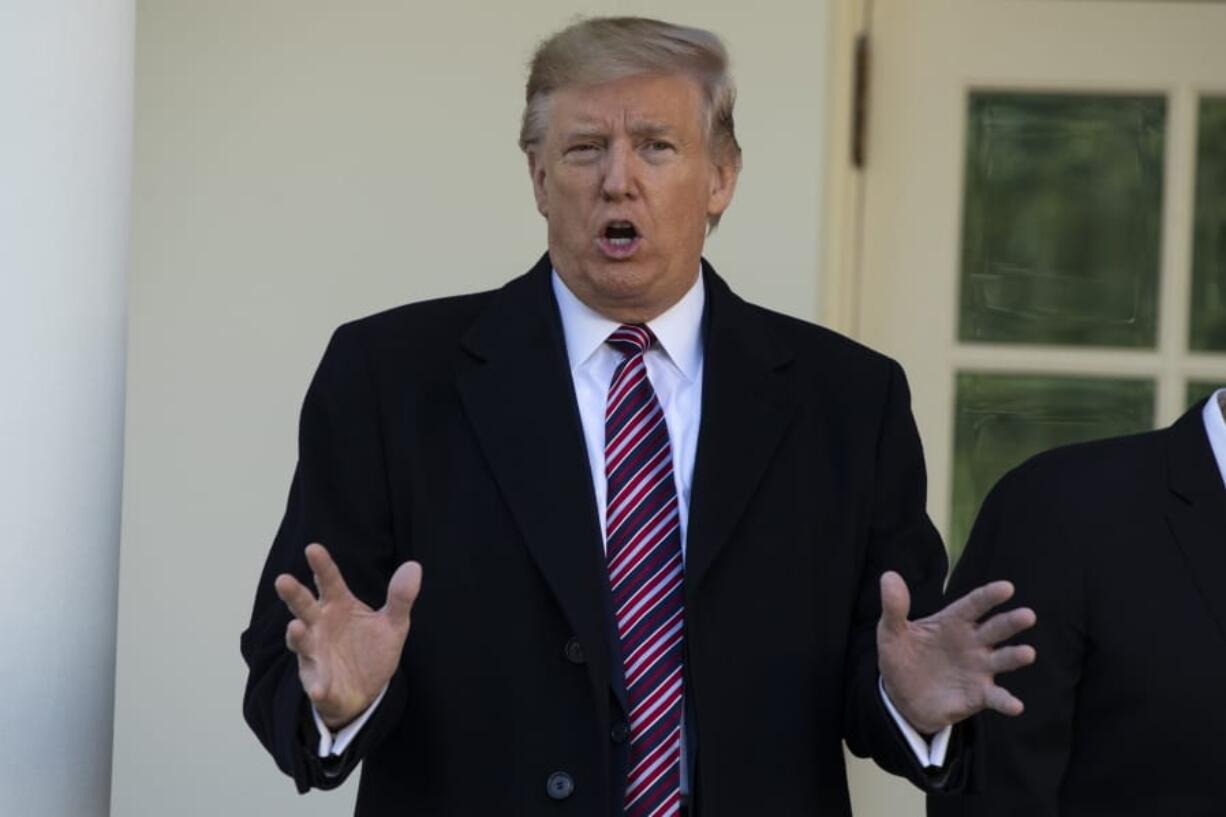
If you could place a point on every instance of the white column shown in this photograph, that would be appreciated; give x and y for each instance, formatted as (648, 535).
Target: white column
(65, 162)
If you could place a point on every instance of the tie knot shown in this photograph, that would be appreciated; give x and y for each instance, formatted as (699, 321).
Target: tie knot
(631, 339)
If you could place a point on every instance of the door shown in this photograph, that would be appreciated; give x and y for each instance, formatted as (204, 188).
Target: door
(1043, 238)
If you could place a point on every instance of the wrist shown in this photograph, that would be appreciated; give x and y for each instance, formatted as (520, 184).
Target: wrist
(338, 720)
(927, 728)
(336, 716)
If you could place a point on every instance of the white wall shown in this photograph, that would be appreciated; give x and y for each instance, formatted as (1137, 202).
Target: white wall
(303, 162)
(65, 160)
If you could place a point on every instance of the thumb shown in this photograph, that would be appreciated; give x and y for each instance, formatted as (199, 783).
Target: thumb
(895, 600)
(402, 591)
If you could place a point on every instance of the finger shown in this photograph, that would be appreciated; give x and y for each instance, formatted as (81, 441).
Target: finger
(296, 637)
(895, 600)
(300, 601)
(1007, 659)
(402, 591)
(1001, 700)
(327, 575)
(975, 604)
(1004, 626)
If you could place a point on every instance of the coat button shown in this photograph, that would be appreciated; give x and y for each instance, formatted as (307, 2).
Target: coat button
(560, 785)
(619, 732)
(574, 651)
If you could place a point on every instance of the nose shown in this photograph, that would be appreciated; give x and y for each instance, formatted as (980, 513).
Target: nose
(618, 181)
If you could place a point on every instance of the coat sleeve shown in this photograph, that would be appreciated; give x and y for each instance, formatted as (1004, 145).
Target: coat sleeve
(1028, 538)
(339, 498)
(899, 537)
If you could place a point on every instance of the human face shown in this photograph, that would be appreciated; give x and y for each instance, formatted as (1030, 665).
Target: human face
(625, 180)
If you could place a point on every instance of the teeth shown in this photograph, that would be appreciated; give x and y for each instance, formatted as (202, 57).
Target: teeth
(621, 242)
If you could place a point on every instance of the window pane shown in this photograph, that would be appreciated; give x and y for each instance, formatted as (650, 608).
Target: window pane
(1001, 420)
(1197, 391)
(1209, 237)
(1061, 219)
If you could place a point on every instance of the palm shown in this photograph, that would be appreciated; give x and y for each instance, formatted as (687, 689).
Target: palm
(346, 651)
(355, 651)
(941, 669)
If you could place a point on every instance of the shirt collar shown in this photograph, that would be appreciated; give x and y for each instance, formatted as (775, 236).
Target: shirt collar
(678, 330)
(1215, 426)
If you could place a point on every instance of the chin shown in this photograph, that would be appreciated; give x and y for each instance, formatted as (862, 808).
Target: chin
(627, 290)
(629, 281)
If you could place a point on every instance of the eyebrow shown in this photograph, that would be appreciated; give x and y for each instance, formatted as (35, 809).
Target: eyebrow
(583, 134)
(649, 128)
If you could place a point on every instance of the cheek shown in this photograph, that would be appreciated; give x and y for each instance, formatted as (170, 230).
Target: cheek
(568, 198)
(567, 221)
(686, 209)
(568, 217)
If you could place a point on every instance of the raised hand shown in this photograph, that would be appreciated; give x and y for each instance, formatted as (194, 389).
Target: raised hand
(346, 651)
(941, 669)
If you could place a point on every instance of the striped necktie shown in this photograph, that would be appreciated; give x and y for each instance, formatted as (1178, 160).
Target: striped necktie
(646, 574)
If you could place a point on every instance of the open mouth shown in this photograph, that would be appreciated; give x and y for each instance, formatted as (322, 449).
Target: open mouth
(619, 240)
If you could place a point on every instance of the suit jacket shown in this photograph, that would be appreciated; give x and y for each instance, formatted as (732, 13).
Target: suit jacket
(1120, 548)
(448, 432)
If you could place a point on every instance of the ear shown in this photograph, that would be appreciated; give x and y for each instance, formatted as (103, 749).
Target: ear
(536, 169)
(723, 178)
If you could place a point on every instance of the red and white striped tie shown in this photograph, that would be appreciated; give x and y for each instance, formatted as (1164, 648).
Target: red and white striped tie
(646, 575)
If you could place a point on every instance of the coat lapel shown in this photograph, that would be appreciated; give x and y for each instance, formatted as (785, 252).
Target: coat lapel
(520, 401)
(747, 402)
(1196, 508)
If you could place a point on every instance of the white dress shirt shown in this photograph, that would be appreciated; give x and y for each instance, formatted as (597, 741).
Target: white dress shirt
(674, 366)
(1215, 426)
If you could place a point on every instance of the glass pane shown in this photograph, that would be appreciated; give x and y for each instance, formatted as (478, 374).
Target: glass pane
(1197, 391)
(1209, 237)
(1062, 210)
(1001, 420)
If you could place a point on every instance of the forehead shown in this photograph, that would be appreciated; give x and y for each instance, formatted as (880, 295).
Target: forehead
(670, 100)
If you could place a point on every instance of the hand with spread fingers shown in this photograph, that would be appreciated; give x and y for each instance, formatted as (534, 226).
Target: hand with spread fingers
(346, 651)
(942, 669)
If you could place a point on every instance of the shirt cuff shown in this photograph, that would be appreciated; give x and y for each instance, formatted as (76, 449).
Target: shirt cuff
(929, 755)
(336, 744)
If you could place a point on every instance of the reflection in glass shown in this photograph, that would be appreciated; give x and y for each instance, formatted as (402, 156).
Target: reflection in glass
(1001, 420)
(1199, 390)
(1061, 218)
(1209, 234)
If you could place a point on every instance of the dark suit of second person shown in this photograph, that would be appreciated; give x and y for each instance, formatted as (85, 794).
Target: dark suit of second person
(1120, 548)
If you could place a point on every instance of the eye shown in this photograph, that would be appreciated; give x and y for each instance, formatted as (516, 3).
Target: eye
(659, 146)
(582, 150)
